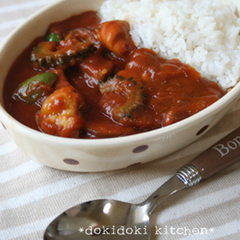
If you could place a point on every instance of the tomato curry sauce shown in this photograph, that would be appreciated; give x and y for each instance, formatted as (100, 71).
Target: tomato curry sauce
(87, 79)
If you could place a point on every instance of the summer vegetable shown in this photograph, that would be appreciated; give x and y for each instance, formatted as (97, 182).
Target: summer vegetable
(130, 90)
(53, 37)
(53, 54)
(36, 87)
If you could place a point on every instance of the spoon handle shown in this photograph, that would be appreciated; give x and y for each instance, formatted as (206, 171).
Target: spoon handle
(219, 156)
(216, 158)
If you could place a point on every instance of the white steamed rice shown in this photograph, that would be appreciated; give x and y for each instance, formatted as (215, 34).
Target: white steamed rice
(202, 33)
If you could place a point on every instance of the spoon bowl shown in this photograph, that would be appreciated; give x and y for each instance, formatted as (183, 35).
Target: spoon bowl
(101, 219)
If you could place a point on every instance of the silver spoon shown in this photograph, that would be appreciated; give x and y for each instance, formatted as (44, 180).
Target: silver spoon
(111, 219)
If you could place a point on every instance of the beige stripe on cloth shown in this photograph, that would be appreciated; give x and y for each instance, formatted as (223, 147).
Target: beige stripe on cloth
(31, 195)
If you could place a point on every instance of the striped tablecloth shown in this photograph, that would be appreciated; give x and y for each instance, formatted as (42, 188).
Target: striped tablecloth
(31, 195)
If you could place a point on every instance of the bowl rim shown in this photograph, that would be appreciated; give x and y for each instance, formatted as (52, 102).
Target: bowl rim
(5, 117)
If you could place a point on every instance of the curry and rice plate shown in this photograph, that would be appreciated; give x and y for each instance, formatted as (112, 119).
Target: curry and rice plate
(119, 72)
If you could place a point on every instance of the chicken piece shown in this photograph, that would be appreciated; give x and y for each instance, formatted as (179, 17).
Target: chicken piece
(146, 62)
(62, 81)
(60, 114)
(115, 36)
(97, 67)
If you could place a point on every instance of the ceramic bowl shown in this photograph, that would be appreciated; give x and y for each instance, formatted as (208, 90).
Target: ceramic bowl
(82, 155)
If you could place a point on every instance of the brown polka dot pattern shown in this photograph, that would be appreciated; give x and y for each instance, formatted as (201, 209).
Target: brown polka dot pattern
(203, 129)
(140, 149)
(70, 161)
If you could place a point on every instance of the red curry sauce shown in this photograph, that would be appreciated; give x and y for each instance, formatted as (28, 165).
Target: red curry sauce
(111, 89)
